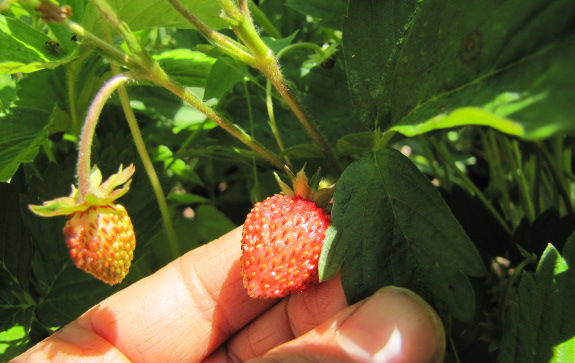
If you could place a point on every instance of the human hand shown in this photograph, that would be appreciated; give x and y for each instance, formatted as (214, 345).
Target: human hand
(196, 309)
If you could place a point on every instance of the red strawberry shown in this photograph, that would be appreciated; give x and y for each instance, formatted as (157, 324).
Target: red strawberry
(101, 241)
(99, 232)
(282, 240)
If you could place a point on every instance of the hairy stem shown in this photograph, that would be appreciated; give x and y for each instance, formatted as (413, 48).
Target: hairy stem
(159, 77)
(102, 46)
(87, 135)
(225, 43)
(281, 87)
(261, 58)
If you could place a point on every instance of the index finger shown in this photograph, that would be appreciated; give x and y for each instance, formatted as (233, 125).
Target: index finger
(183, 312)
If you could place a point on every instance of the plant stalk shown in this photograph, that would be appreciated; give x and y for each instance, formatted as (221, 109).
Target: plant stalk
(87, 135)
(159, 77)
(107, 49)
(225, 43)
(261, 58)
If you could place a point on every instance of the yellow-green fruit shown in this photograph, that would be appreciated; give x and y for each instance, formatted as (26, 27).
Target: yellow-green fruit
(101, 241)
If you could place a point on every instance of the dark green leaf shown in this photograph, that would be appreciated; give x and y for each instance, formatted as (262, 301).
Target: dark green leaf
(390, 226)
(327, 99)
(186, 198)
(449, 63)
(540, 324)
(511, 102)
(330, 12)
(356, 144)
(303, 151)
(278, 44)
(372, 33)
(16, 304)
(70, 294)
(206, 224)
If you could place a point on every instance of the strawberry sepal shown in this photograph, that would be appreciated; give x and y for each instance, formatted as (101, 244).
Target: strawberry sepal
(99, 194)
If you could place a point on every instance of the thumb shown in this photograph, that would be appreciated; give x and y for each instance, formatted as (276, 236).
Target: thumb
(393, 325)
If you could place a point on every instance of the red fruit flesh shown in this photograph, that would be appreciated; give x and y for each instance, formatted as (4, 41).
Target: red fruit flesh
(281, 244)
(101, 242)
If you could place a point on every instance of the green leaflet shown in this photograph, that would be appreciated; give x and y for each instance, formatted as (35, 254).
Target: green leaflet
(144, 14)
(540, 323)
(439, 64)
(330, 12)
(390, 226)
(25, 49)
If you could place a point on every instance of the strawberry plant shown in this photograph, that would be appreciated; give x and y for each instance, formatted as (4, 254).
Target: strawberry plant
(446, 128)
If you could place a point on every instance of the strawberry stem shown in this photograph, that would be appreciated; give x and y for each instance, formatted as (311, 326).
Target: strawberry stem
(87, 136)
(158, 76)
(255, 53)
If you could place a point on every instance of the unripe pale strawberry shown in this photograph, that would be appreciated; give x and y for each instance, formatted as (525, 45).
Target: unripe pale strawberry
(99, 233)
(101, 241)
(282, 239)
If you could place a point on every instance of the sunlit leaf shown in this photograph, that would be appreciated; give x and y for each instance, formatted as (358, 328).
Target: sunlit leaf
(540, 324)
(25, 49)
(439, 64)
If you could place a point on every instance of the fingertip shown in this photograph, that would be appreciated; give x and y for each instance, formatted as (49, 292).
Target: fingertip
(393, 325)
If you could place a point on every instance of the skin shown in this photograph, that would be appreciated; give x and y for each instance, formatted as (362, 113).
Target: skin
(196, 309)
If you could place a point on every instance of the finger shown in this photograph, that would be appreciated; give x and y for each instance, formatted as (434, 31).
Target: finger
(393, 325)
(181, 313)
(290, 318)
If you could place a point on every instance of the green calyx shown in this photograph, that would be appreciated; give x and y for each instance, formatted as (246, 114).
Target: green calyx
(307, 190)
(98, 194)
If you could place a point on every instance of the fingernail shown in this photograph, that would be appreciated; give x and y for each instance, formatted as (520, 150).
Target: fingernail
(393, 325)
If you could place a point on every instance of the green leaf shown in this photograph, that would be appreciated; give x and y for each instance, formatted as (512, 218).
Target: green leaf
(448, 63)
(390, 226)
(186, 198)
(276, 45)
(540, 324)
(14, 337)
(224, 75)
(462, 116)
(25, 49)
(7, 92)
(330, 12)
(372, 33)
(16, 304)
(143, 14)
(190, 68)
(327, 99)
(26, 125)
(21, 134)
(357, 143)
(303, 151)
(206, 224)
